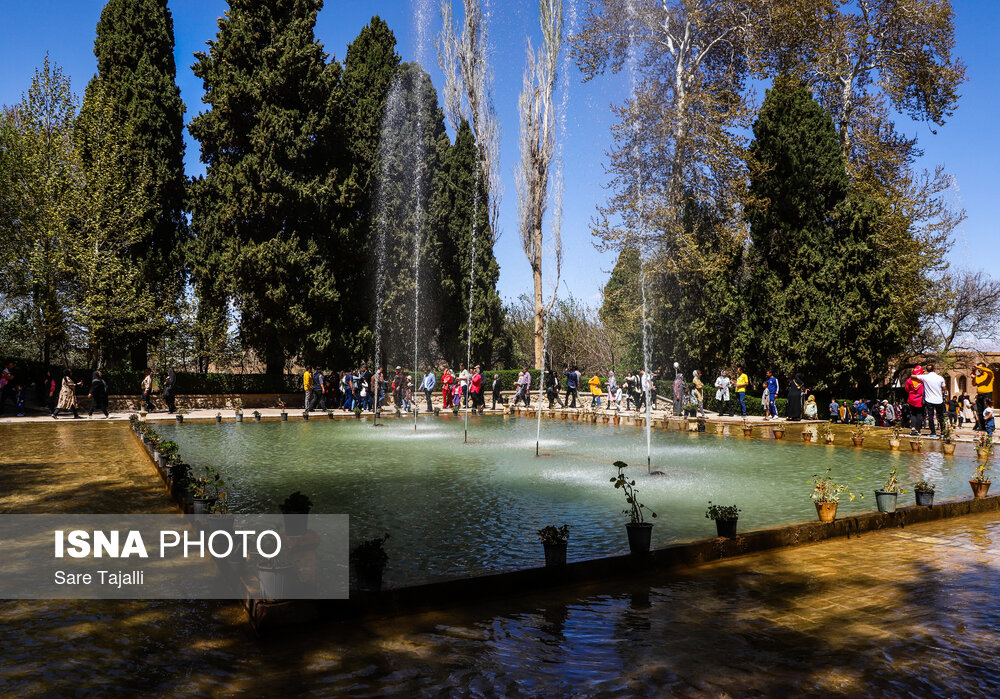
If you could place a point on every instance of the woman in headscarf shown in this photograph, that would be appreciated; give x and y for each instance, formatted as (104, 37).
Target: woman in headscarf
(698, 391)
(796, 389)
(811, 411)
(915, 399)
(67, 395)
(98, 394)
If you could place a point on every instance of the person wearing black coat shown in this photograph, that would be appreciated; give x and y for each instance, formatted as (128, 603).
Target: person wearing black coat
(98, 394)
(168, 393)
(796, 391)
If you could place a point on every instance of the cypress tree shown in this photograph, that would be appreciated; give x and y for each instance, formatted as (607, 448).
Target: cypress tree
(818, 293)
(370, 65)
(265, 203)
(136, 74)
(457, 203)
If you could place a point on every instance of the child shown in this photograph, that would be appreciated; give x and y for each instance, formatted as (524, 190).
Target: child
(456, 400)
(988, 422)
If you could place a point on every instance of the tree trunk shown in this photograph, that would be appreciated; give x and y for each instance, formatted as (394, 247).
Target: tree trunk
(536, 272)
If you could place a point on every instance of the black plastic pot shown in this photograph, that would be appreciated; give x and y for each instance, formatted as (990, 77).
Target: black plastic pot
(239, 417)
(256, 418)
(284, 417)
(726, 527)
(296, 524)
(640, 536)
(555, 555)
(886, 501)
(924, 498)
(305, 414)
(202, 506)
(179, 418)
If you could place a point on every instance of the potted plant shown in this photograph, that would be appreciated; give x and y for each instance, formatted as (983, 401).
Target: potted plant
(368, 559)
(858, 434)
(169, 451)
(947, 438)
(180, 476)
(329, 414)
(357, 412)
(640, 532)
(725, 517)
(554, 540)
(980, 482)
(924, 493)
(886, 498)
(206, 490)
(276, 577)
(238, 409)
(916, 444)
(894, 438)
(305, 414)
(826, 495)
(984, 446)
(218, 417)
(747, 428)
(826, 431)
(778, 432)
(296, 508)
(256, 416)
(281, 404)
(179, 417)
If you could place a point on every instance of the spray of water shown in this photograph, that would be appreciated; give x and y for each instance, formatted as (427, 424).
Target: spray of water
(472, 288)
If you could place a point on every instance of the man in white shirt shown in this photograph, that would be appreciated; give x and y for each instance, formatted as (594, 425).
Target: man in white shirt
(463, 381)
(934, 387)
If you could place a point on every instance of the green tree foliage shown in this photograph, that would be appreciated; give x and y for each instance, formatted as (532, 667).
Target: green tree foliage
(370, 65)
(265, 203)
(462, 211)
(621, 305)
(136, 77)
(817, 291)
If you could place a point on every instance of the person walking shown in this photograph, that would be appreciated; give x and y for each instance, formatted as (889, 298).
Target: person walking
(51, 390)
(771, 394)
(398, 388)
(722, 384)
(319, 390)
(934, 386)
(463, 384)
(968, 414)
(698, 391)
(834, 409)
(427, 386)
(742, 382)
(915, 399)
(147, 391)
(982, 377)
(952, 404)
(572, 382)
(476, 389)
(169, 386)
(67, 395)
(811, 410)
(552, 388)
(347, 389)
(307, 388)
(98, 394)
(497, 391)
(595, 391)
(447, 379)
(612, 386)
(525, 387)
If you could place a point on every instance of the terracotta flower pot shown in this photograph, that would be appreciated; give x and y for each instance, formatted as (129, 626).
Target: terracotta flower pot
(778, 433)
(827, 511)
(747, 431)
(830, 438)
(982, 453)
(894, 443)
(858, 441)
(915, 445)
(980, 488)
(948, 448)
(807, 436)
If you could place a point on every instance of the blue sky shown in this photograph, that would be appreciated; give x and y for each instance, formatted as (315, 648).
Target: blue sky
(968, 145)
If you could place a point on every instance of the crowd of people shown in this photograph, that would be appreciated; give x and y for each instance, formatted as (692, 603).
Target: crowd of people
(927, 400)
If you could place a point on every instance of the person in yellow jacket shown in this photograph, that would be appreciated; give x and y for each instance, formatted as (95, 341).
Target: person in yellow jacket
(595, 391)
(983, 377)
(307, 385)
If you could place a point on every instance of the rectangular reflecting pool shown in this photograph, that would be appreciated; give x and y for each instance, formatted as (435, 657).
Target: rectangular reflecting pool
(455, 509)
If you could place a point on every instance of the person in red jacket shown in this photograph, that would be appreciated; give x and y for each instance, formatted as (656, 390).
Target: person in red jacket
(447, 379)
(915, 399)
(476, 389)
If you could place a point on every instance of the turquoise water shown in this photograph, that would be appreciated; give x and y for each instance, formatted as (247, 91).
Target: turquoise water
(455, 509)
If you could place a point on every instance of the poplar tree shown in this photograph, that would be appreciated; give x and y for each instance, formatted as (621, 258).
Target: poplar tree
(264, 206)
(136, 77)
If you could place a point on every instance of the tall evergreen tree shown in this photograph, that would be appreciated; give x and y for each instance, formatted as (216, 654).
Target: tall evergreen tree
(817, 290)
(370, 65)
(136, 75)
(463, 212)
(265, 203)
